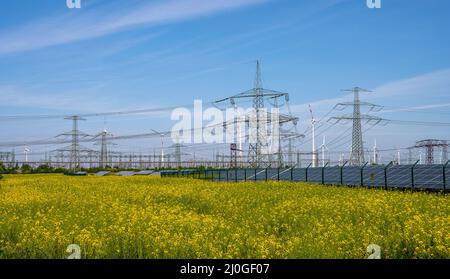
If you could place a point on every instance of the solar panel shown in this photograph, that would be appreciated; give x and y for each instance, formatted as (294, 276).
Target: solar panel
(102, 173)
(398, 176)
(144, 173)
(126, 173)
(79, 173)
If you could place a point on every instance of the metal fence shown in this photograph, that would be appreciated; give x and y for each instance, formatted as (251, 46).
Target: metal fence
(414, 177)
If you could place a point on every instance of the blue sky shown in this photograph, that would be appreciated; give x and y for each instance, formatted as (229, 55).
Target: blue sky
(119, 55)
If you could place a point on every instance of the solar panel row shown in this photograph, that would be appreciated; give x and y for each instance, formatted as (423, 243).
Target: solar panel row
(401, 176)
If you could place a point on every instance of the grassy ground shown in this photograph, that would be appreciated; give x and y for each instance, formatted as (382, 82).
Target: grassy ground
(145, 217)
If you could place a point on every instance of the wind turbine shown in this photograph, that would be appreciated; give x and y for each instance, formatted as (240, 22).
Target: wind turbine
(323, 147)
(26, 150)
(375, 153)
(313, 125)
(162, 144)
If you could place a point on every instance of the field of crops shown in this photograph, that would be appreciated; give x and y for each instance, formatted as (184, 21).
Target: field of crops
(147, 217)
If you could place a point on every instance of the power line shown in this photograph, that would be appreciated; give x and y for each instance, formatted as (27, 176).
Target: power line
(318, 134)
(341, 136)
(423, 109)
(100, 114)
(308, 130)
(357, 151)
(418, 123)
(348, 141)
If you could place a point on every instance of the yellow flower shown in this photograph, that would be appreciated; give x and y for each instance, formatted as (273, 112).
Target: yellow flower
(146, 217)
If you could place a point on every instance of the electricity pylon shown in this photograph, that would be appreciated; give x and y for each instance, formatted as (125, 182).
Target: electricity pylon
(430, 145)
(258, 154)
(290, 137)
(357, 150)
(104, 153)
(258, 143)
(177, 152)
(75, 134)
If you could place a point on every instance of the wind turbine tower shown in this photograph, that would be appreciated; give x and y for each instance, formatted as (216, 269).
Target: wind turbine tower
(315, 159)
(26, 150)
(375, 153)
(323, 147)
(162, 145)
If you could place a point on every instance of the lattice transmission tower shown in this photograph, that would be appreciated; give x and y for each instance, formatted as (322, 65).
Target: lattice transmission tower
(357, 157)
(104, 155)
(75, 134)
(430, 145)
(258, 151)
(256, 145)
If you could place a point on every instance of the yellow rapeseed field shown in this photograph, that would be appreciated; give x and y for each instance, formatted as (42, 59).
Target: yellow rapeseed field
(148, 217)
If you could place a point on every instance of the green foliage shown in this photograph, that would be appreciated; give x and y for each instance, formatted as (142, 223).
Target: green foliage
(43, 169)
(26, 169)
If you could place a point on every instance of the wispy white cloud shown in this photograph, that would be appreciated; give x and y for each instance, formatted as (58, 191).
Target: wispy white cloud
(422, 93)
(419, 108)
(422, 89)
(426, 85)
(176, 10)
(425, 89)
(14, 96)
(93, 23)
